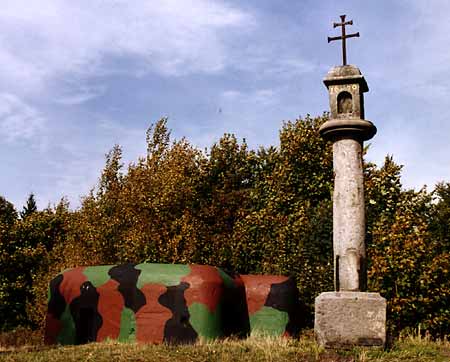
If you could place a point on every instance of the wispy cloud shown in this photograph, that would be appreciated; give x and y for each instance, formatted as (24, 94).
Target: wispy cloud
(60, 57)
(42, 40)
(80, 76)
(18, 120)
(81, 95)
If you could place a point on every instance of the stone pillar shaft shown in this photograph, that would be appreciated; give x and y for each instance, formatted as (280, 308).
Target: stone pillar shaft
(348, 215)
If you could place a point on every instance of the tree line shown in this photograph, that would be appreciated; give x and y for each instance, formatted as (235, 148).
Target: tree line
(250, 211)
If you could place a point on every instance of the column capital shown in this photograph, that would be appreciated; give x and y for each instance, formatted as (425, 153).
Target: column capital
(360, 129)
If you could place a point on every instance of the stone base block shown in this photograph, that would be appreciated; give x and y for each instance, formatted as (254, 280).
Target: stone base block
(346, 319)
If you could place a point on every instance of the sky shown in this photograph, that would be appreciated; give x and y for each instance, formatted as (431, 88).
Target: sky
(78, 77)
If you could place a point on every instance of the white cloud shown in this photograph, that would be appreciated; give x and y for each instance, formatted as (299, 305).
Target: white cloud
(56, 54)
(57, 57)
(231, 94)
(42, 40)
(72, 166)
(18, 120)
(81, 94)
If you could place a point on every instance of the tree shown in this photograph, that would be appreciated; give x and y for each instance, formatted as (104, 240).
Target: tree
(408, 261)
(253, 211)
(288, 228)
(29, 207)
(8, 214)
(440, 216)
(24, 248)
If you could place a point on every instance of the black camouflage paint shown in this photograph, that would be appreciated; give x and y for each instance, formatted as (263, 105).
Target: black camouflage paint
(85, 314)
(127, 276)
(87, 325)
(57, 303)
(284, 296)
(178, 329)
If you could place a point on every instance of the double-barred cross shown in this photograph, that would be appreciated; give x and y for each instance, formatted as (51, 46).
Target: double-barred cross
(344, 36)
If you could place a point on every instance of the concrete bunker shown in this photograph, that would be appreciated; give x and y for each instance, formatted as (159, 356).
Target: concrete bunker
(151, 303)
(171, 303)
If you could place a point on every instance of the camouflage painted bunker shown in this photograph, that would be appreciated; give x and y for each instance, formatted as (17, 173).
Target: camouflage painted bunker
(272, 303)
(157, 303)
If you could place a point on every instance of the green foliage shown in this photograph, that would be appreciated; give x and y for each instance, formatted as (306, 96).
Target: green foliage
(409, 264)
(23, 253)
(440, 217)
(8, 214)
(29, 207)
(288, 228)
(252, 211)
(8, 218)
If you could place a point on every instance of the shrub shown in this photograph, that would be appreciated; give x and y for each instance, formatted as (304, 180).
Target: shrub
(253, 211)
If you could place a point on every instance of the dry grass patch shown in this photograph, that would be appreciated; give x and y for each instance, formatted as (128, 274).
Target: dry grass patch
(255, 349)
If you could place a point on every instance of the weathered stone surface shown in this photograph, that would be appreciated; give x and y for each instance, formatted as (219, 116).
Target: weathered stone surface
(348, 216)
(359, 129)
(346, 80)
(344, 73)
(346, 319)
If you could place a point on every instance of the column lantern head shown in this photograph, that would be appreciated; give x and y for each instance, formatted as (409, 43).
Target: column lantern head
(346, 87)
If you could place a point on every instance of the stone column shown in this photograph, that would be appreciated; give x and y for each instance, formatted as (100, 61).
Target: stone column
(348, 316)
(348, 216)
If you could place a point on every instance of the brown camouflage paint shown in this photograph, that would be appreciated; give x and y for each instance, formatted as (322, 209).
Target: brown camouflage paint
(273, 305)
(162, 312)
(110, 306)
(208, 287)
(152, 316)
(70, 286)
(257, 289)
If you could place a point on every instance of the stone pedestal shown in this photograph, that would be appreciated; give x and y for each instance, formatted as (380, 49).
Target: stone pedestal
(346, 319)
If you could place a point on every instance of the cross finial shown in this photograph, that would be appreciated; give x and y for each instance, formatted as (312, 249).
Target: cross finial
(344, 36)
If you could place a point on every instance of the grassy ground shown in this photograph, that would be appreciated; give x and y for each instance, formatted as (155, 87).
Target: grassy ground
(253, 349)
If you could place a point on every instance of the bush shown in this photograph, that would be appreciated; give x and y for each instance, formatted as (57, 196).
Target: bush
(252, 211)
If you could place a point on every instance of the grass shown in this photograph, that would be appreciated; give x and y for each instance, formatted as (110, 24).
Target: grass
(255, 349)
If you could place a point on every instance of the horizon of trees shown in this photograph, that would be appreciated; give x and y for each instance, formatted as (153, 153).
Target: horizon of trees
(251, 211)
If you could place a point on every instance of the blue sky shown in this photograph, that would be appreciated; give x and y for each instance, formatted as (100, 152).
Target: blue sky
(79, 76)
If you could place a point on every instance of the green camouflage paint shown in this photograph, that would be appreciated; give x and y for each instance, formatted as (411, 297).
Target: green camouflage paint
(127, 326)
(166, 274)
(268, 322)
(168, 303)
(205, 323)
(273, 305)
(227, 280)
(67, 334)
(97, 275)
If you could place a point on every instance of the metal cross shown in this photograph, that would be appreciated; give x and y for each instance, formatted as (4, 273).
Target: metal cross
(343, 37)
